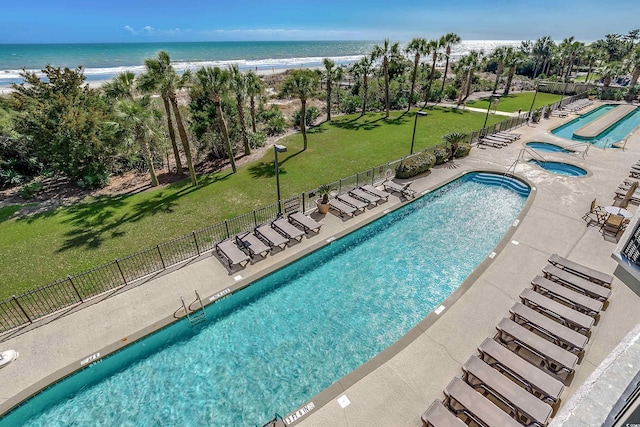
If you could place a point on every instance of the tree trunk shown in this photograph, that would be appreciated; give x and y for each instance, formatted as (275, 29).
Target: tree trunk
(512, 71)
(303, 122)
(146, 153)
(365, 88)
(185, 140)
(635, 76)
(225, 132)
(172, 136)
(535, 69)
(498, 73)
(446, 69)
(328, 99)
(385, 64)
(433, 71)
(469, 78)
(252, 111)
(414, 77)
(243, 129)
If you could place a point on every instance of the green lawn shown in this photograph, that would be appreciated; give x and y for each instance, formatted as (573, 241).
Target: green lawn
(40, 249)
(520, 101)
(592, 78)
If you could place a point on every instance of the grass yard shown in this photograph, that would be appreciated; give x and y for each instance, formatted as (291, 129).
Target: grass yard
(43, 248)
(520, 101)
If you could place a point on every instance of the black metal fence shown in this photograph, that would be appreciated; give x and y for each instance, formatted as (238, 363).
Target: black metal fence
(73, 290)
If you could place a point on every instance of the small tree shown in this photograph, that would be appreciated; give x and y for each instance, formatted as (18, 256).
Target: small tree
(301, 84)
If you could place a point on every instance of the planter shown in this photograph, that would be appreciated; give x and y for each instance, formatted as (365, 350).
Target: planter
(323, 208)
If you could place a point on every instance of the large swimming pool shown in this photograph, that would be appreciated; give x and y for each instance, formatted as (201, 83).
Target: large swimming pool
(274, 345)
(612, 135)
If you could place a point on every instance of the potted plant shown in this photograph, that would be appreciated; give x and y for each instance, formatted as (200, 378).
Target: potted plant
(547, 111)
(535, 116)
(591, 93)
(323, 202)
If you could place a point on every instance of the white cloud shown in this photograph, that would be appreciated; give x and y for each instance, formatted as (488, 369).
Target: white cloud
(148, 30)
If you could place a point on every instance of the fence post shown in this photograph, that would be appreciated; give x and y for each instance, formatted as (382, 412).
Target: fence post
(255, 219)
(164, 267)
(121, 273)
(21, 309)
(195, 240)
(74, 288)
(226, 226)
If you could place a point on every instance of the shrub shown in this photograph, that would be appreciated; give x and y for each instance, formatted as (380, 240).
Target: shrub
(311, 116)
(350, 104)
(257, 140)
(463, 150)
(415, 165)
(450, 92)
(441, 155)
(29, 191)
(94, 180)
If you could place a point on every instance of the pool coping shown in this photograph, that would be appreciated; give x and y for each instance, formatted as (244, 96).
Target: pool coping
(339, 386)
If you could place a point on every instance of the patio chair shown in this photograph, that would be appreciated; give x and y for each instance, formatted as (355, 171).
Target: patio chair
(343, 208)
(554, 358)
(307, 223)
(533, 379)
(358, 204)
(573, 299)
(360, 194)
(231, 253)
(290, 231)
(438, 415)
(373, 190)
(400, 188)
(252, 244)
(562, 313)
(490, 143)
(579, 284)
(522, 404)
(596, 214)
(271, 236)
(595, 276)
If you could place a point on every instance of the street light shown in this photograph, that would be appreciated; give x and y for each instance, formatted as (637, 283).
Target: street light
(277, 148)
(415, 122)
(491, 97)
(538, 86)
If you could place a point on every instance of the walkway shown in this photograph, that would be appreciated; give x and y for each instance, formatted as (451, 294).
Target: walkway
(397, 386)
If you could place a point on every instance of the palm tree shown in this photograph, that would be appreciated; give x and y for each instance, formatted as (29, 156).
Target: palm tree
(417, 46)
(138, 116)
(591, 56)
(122, 86)
(610, 71)
(330, 74)
(158, 78)
(635, 62)
(255, 88)
(433, 47)
(512, 60)
(466, 66)
(542, 53)
(450, 40)
(239, 86)
(384, 52)
(301, 84)
(362, 69)
(499, 54)
(453, 140)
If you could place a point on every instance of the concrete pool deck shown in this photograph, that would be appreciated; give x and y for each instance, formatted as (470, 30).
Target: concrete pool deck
(395, 391)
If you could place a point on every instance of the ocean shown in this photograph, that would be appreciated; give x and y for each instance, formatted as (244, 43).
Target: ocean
(104, 61)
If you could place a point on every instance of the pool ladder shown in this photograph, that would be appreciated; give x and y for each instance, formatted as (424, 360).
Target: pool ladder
(198, 315)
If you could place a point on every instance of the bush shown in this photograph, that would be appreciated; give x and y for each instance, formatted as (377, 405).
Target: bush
(311, 116)
(350, 104)
(450, 92)
(257, 140)
(463, 150)
(441, 155)
(94, 180)
(415, 165)
(29, 191)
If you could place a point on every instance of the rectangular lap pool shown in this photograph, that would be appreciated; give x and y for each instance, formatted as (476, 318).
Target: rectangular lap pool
(274, 345)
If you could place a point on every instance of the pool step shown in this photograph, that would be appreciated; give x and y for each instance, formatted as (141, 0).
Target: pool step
(501, 180)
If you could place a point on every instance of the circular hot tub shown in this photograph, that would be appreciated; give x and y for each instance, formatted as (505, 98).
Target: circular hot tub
(560, 168)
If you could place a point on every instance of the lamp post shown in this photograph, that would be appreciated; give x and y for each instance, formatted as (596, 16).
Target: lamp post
(277, 148)
(538, 86)
(484, 126)
(415, 122)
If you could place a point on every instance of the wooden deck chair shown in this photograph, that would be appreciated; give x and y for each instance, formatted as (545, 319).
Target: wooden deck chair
(596, 214)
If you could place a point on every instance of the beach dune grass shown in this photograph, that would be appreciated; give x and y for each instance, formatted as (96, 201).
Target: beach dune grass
(40, 249)
(520, 101)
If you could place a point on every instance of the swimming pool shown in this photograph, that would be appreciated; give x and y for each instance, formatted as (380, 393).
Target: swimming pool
(560, 168)
(547, 147)
(612, 135)
(274, 345)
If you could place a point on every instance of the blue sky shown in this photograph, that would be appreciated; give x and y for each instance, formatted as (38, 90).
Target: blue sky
(91, 21)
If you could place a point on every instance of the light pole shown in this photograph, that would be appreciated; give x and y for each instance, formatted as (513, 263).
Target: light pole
(415, 122)
(277, 148)
(484, 126)
(538, 86)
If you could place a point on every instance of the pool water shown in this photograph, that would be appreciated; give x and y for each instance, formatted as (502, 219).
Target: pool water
(548, 147)
(612, 135)
(560, 168)
(274, 345)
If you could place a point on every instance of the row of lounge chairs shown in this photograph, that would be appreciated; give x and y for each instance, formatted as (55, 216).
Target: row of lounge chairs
(517, 376)
(243, 247)
(577, 105)
(358, 199)
(499, 139)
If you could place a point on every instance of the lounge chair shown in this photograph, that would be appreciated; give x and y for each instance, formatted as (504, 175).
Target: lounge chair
(400, 188)
(342, 207)
(596, 214)
(575, 300)
(438, 415)
(554, 358)
(373, 190)
(490, 143)
(533, 379)
(307, 223)
(360, 194)
(521, 403)
(290, 231)
(231, 253)
(252, 244)
(271, 236)
(358, 204)
(595, 276)
(578, 283)
(554, 331)
(565, 315)
(462, 399)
